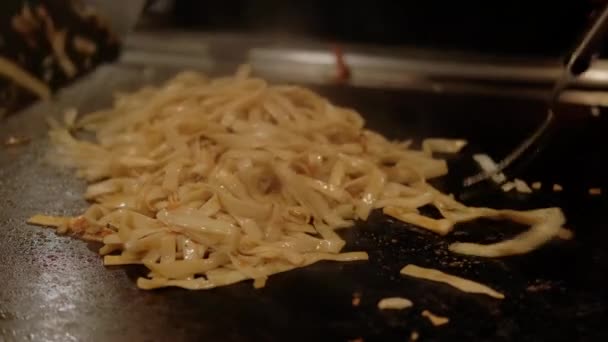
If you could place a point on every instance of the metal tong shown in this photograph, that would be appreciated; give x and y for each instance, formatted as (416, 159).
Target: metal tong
(578, 62)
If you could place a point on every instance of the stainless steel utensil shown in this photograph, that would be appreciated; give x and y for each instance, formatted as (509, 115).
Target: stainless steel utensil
(577, 63)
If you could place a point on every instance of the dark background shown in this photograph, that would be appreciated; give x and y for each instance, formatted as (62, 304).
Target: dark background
(527, 28)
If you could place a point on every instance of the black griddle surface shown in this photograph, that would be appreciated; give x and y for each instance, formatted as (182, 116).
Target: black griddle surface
(55, 288)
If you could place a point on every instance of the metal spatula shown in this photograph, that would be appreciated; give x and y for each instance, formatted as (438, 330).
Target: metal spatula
(578, 62)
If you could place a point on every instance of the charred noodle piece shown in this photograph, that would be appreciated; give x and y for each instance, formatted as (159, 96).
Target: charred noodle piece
(462, 284)
(208, 182)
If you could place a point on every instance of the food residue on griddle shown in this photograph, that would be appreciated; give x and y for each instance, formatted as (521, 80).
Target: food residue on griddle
(557, 187)
(595, 191)
(356, 301)
(414, 336)
(536, 185)
(455, 264)
(539, 286)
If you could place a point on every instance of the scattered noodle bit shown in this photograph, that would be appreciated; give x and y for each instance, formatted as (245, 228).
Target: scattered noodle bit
(462, 284)
(536, 185)
(394, 303)
(557, 188)
(508, 186)
(435, 319)
(48, 221)
(440, 145)
(414, 336)
(521, 186)
(358, 339)
(565, 234)
(258, 283)
(595, 191)
(209, 182)
(595, 111)
(356, 301)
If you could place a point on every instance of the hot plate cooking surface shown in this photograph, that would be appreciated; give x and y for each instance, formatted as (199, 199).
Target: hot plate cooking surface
(55, 288)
